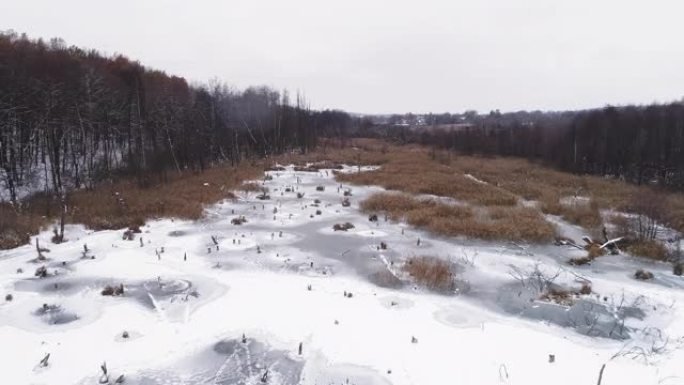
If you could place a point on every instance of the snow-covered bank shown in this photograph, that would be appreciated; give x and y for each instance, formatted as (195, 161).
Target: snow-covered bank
(286, 278)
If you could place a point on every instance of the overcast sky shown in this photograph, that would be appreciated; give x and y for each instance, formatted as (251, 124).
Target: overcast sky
(380, 56)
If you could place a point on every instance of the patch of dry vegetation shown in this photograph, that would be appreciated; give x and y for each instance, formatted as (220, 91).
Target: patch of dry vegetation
(331, 153)
(18, 224)
(564, 296)
(493, 223)
(432, 273)
(124, 203)
(119, 205)
(650, 249)
(578, 199)
(415, 172)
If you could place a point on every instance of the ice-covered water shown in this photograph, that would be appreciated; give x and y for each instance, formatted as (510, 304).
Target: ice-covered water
(286, 278)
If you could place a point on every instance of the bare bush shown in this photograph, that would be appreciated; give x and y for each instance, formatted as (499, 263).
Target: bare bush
(434, 273)
(343, 226)
(579, 261)
(643, 275)
(238, 220)
(678, 269)
(648, 248)
(113, 290)
(41, 272)
(650, 208)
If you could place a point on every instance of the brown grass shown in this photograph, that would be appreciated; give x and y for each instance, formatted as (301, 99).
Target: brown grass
(493, 223)
(15, 228)
(648, 249)
(417, 169)
(123, 204)
(431, 272)
(331, 153)
(412, 170)
(594, 251)
(18, 223)
(675, 212)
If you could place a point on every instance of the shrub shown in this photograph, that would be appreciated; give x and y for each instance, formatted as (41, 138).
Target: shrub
(128, 235)
(578, 261)
(650, 249)
(346, 202)
(678, 269)
(585, 215)
(431, 272)
(373, 218)
(585, 289)
(41, 272)
(650, 207)
(643, 275)
(238, 220)
(17, 223)
(250, 187)
(558, 295)
(342, 226)
(594, 251)
(510, 223)
(113, 290)
(311, 168)
(300, 195)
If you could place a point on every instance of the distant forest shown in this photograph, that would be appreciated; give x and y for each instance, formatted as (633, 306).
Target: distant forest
(70, 118)
(640, 144)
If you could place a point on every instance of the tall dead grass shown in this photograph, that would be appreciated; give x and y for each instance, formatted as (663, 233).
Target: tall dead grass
(16, 227)
(419, 170)
(125, 203)
(118, 205)
(431, 272)
(492, 223)
(414, 171)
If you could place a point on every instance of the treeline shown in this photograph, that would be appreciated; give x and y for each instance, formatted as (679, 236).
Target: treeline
(640, 144)
(71, 117)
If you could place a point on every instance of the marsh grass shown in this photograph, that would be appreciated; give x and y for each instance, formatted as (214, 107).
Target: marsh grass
(489, 223)
(431, 272)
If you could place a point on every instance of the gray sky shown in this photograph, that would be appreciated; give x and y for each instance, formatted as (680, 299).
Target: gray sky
(379, 56)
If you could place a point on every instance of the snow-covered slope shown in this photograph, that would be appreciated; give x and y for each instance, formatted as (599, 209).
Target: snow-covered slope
(312, 311)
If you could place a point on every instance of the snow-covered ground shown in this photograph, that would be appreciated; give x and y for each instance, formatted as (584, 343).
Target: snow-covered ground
(312, 310)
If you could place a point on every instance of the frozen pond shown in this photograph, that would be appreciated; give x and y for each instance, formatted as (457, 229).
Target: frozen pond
(323, 306)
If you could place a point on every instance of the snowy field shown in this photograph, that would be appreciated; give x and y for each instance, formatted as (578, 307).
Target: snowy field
(285, 299)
